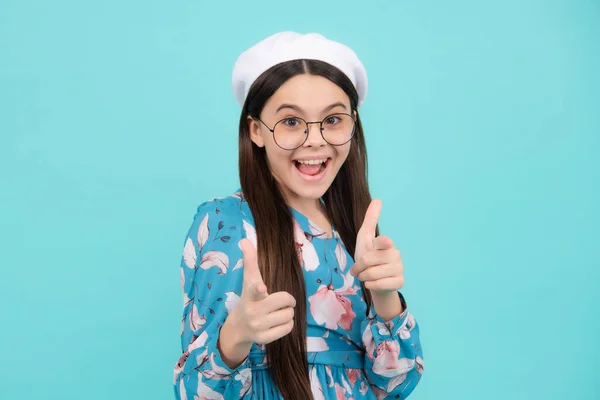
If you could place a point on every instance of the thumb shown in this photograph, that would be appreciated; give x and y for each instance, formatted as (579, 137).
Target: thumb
(255, 291)
(382, 243)
(366, 233)
(253, 285)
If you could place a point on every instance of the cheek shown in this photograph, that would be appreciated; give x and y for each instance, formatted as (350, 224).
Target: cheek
(277, 158)
(342, 155)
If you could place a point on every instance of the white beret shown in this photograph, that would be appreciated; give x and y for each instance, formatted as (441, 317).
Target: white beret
(287, 46)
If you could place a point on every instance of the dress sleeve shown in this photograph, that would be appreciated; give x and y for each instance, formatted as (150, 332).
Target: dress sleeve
(211, 280)
(394, 358)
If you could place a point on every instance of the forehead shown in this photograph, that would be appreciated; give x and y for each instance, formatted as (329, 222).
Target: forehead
(311, 93)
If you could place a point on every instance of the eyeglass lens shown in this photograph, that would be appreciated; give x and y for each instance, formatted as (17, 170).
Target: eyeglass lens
(291, 132)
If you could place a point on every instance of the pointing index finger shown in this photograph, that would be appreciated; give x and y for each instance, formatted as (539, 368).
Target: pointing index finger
(371, 219)
(251, 269)
(382, 243)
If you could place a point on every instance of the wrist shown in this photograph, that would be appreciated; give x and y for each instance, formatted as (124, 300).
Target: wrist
(381, 296)
(234, 334)
(233, 345)
(387, 304)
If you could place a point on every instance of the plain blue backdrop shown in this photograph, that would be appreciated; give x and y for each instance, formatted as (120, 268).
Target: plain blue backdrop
(117, 119)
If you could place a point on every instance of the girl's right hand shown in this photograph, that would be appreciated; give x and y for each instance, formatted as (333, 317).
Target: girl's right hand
(261, 317)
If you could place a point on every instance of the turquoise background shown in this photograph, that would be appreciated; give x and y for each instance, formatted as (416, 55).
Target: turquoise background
(117, 119)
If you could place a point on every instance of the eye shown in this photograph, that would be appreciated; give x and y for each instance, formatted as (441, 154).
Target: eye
(332, 120)
(291, 122)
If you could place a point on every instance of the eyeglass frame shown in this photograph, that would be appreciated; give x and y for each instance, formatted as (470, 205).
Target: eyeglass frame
(308, 128)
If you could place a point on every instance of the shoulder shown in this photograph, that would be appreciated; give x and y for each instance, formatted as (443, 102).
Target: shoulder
(219, 224)
(227, 207)
(213, 239)
(223, 219)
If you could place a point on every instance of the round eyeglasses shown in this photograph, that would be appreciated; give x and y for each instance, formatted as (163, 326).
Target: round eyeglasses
(291, 132)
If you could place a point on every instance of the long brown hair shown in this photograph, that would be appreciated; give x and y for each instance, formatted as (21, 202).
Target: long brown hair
(346, 202)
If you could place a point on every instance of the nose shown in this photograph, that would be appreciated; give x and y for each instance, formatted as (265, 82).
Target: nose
(315, 138)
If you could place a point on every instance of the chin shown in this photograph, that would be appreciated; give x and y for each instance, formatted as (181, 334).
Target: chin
(310, 193)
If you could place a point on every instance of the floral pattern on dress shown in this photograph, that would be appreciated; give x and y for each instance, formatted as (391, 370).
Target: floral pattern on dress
(351, 355)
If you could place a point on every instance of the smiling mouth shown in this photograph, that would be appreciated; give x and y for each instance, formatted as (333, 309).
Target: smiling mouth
(314, 172)
(312, 169)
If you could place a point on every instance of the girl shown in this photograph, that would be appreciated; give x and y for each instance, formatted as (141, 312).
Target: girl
(289, 291)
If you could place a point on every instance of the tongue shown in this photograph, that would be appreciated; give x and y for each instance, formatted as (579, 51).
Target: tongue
(309, 169)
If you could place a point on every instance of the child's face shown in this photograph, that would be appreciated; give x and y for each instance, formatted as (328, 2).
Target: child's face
(311, 98)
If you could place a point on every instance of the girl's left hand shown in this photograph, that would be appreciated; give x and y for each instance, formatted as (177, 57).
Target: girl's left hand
(377, 262)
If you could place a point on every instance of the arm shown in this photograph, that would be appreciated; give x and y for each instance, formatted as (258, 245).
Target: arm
(388, 306)
(211, 280)
(394, 362)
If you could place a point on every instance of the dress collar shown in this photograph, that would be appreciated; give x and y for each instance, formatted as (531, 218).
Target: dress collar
(308, 226)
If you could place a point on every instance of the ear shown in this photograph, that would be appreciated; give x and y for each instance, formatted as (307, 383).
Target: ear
(355, 114)
(255, 134)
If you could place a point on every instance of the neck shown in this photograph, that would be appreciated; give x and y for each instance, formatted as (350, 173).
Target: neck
(308, 207)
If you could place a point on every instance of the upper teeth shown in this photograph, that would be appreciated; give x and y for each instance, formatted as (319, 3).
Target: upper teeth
(312, 162)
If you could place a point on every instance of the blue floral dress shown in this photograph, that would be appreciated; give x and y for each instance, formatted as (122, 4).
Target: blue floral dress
(351, 355)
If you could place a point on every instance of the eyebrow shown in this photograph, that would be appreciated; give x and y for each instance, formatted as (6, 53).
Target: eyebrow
(296, 108)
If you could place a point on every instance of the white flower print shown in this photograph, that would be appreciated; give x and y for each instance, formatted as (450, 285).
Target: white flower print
(210, 280)
(306, 250)
(363, 389)
(189, 254)
(250, 233)
(420, 365)
(314, 229)
(315, 385)
(239, 264)
(395, 382)
(369, 342)
(203, 232)
(404, 330)
(340, 254)
(196, 321)
(388, 362)
(182, 393)
(332, 307)
(245, 376)
(215, 259)
(316, 344)
(329, 375)
(215, 371)
(232, 299)
(346, 385)
(199, 342)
